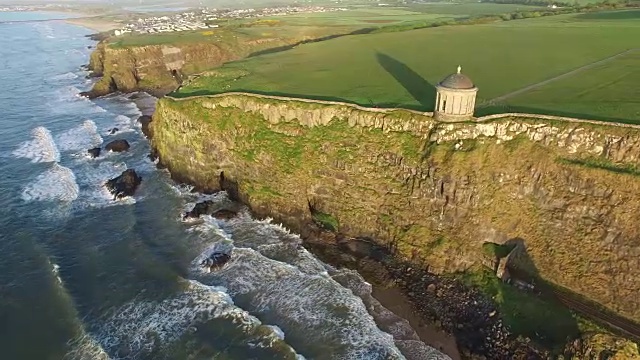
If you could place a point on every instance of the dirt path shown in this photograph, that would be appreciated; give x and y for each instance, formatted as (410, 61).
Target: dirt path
(562, 76)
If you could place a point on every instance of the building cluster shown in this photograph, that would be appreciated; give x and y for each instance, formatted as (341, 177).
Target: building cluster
(206, 18)
(17, 8)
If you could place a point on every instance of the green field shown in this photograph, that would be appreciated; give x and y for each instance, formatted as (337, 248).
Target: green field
(401, 68)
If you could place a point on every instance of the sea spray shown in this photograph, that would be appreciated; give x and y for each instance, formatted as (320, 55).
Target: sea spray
(57, 183)
(41, 147)
(82, 137)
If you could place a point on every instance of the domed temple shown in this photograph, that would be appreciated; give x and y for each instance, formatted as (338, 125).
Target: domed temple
(456, 98)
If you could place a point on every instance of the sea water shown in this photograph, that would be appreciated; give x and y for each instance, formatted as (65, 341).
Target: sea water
(83, 276)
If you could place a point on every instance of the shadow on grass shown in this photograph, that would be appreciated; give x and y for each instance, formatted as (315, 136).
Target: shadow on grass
(521, 305)
(302, 42)
(611, 15)
(419, 88)
(504, 108)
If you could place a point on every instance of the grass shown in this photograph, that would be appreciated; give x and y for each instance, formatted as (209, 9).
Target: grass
(546, 322)
(400, 69)
(607, 90)
(327, 221)
(497, 251)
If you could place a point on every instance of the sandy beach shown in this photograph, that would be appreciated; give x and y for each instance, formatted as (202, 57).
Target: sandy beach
(93, 23)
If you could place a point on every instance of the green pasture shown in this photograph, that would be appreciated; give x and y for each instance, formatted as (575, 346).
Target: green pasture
(606, 91)
(401, 69)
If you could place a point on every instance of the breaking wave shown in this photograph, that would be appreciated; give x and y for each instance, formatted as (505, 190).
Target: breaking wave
(41, 148)
(82, 137)
(57, 183)
(268, 266)
(142, 327)
(65, 76)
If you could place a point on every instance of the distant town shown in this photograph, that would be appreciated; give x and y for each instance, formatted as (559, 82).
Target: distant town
(207, 18)
(44, 7)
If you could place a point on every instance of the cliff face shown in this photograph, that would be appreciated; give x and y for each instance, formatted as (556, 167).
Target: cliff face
(569, 192)
(157, 69)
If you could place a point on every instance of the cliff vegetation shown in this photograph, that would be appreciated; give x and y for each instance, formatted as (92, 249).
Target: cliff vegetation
(566, 192)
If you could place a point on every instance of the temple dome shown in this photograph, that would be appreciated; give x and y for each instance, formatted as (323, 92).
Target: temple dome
(457, 81)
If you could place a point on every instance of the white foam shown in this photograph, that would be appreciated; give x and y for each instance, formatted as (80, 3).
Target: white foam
(93, 177)
(277, 331)
(55, 269)
(82, 137)
(65, 76)
(141, 327)
(86, 347)
(41, 148)
(122, 122)
(57, 183)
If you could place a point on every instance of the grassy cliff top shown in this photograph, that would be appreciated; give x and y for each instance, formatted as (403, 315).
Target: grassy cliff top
(401, 68)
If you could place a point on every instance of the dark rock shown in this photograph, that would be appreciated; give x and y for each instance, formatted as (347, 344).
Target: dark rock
(215, 261)
(124, 185)
(89, 47)
(208, 207)
(145, 120)
(225, 214)
(88, 94)
(113, 131)
(95, 152)
(117, 146)
(364, 247)
(202, 208)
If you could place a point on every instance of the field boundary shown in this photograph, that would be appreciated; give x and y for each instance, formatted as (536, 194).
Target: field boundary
(482, 119)
(555, 78)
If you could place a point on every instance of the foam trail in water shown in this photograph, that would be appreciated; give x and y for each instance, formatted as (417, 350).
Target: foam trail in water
(41, 148)
(83, 137)
(57, 183)
(65, 76)
(139, 328)
(290, 288)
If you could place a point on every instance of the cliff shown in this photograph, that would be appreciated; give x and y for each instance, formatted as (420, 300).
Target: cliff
(569, 192)
(160, 69)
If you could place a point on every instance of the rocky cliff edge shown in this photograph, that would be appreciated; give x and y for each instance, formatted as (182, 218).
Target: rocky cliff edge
(568, 191)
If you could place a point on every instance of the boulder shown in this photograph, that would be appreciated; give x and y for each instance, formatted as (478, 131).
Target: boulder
(225, 214)
(202, 208)
(208, 207)
(113, 131)
(215, 261)
(118, 146)
(95, 152)
(144, 121)
(124, 185)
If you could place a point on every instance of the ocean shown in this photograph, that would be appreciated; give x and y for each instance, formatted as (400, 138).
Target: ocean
(83, 276)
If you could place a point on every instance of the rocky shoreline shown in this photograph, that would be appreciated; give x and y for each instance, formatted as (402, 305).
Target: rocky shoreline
(468, 323)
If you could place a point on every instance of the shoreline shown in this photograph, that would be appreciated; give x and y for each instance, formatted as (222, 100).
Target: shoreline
(97, 25)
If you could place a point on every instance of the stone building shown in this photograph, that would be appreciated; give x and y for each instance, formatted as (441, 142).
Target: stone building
(456, 98)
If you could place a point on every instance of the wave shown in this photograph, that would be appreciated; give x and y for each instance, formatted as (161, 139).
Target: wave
(142, 327)
(92, 178)
(82, 137)
(57, 183)
(41, 148)
(65, 76)
(67, 100)
(289, 287)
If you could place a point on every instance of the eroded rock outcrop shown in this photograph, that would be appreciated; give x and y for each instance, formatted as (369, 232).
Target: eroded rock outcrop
(569, 192)
(118, 146)
(124, 185)
(95, 152)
